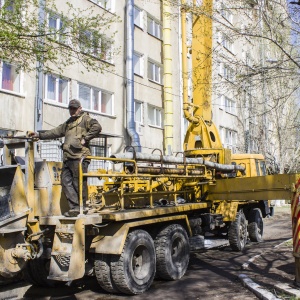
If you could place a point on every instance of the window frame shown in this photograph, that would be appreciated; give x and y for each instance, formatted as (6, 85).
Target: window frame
(95, 49)
(227, 72)
(228, 137)
(155, 25)
(57, 86)
(59, 37)
(226, 42)
(19, 76)
(226, 13)
(140, 60)
(156, 109)
(229, 105)
(140, 24)
(141, 112)
(160, 71)
(100, 93)
(109, 5)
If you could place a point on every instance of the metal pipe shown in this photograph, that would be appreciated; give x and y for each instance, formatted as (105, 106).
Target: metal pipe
(158, 170)
(135, 139)
(80, 186)
(177, 160)
(38, 110)
(167, 59)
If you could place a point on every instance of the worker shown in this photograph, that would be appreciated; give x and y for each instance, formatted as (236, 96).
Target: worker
(78, 130)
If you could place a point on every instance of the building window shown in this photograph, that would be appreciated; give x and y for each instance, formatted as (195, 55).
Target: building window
(95, 99)
(138, 17)
(228, 72)
(230, 105)
(155, 116)
(10, 77)
(138, 112)
(154, 27)
(96, 44)
(56, 28)
(138, 62)
(228, 138)
(154, 72)
(106, 4)
(57, 89)
(227, 43)
(226, 13)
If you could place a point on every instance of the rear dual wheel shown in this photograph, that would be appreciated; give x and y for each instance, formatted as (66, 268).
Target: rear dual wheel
(134, 270)
(172, 252)
(103, 273)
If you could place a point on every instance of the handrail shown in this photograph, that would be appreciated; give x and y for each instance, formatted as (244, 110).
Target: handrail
(81, 174)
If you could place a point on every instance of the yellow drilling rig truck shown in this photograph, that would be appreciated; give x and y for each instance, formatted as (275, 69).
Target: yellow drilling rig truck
(148, 212)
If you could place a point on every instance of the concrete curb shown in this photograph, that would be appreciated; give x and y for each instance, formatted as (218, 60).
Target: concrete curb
(260, 292)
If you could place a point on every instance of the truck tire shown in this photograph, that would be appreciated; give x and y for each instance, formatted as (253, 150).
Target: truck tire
(255, 225)
(103, 273)
(237, 233)
(37, 271)
(172, 252)
(134, 270)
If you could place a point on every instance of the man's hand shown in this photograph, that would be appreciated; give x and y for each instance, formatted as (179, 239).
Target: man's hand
(34, 135)
(82, 142)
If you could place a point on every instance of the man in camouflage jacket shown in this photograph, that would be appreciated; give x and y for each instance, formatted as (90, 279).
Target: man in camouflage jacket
(78, 130)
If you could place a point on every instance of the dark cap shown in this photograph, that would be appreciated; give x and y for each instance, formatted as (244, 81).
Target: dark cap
(74, 103)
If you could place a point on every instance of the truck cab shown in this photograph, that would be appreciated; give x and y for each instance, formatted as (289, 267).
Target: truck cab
(255, 164)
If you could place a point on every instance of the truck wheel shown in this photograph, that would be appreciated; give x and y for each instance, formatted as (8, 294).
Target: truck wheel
(103, 273)
(134, 270)
(237, 233)
(255, 225)
(36, 273)
(172, 252)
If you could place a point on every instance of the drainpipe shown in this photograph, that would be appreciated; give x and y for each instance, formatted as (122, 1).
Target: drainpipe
(135, 139)
(167, 62)
(38, 115)
(186, 103)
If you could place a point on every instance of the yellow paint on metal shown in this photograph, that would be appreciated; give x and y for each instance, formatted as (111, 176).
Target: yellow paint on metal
(167, 60)
(29, 178)
(270, 187)
(77, 260)
(228, 210)
(111, 240)
(158, 211)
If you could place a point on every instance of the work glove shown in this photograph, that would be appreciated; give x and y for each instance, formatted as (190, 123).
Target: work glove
(34, 135)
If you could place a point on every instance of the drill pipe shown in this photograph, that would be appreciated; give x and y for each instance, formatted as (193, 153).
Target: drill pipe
(138, 156)
(157, 170)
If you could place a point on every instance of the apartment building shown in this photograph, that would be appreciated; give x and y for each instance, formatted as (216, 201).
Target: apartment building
(129, 94)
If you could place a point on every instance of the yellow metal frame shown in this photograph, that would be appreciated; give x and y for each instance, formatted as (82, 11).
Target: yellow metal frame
(111, 239)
